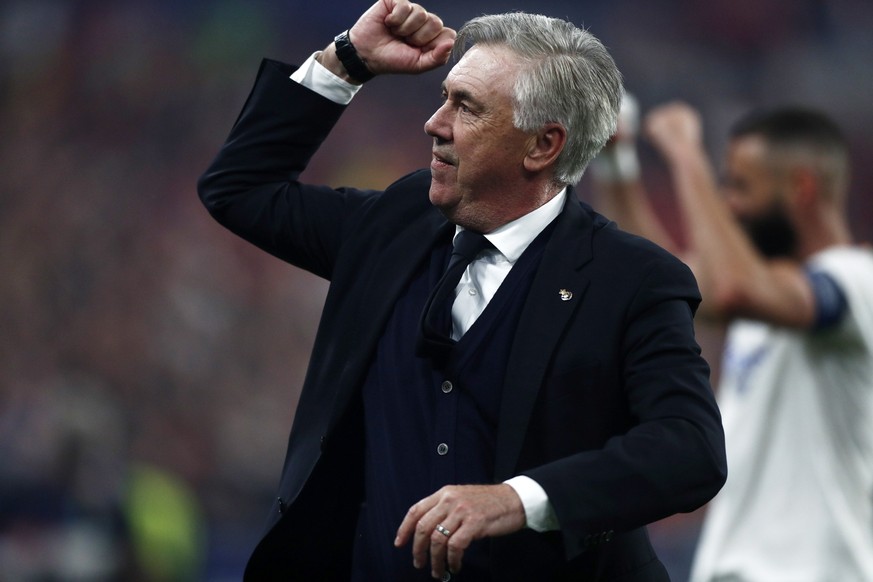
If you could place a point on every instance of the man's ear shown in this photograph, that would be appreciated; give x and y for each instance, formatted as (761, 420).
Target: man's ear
(544, 147)
(806, 186)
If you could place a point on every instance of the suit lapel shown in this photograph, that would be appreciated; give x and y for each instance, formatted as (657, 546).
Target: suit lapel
(544, 316)
(384, 283)
(557, 290)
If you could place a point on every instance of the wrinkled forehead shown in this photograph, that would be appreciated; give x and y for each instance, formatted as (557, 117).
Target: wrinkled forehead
(486, 67)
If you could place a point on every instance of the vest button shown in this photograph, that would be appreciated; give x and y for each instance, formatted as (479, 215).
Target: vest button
(446, 387)
(442, 449)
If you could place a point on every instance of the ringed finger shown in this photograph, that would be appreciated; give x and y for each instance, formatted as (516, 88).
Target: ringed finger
(439, 548)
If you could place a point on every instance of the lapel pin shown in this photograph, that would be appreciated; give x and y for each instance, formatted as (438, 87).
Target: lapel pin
(565, 295)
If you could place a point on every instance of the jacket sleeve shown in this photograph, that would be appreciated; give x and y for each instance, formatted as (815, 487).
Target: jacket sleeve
(669, 456)
(252, 186)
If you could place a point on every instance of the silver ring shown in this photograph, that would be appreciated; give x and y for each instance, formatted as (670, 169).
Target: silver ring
(443, 530)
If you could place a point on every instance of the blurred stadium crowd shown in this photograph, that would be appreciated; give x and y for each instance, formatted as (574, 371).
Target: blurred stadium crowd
(149, 361)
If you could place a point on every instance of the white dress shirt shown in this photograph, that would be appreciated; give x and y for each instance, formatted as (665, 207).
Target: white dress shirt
(484, 275)
(481, 279)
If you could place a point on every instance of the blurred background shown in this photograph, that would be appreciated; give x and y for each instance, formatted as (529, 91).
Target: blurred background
(149, 361)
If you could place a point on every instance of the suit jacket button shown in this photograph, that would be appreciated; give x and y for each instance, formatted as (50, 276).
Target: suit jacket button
(281, 503)
(321, 443)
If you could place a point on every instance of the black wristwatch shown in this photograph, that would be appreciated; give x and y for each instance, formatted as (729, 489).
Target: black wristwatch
(350, 59)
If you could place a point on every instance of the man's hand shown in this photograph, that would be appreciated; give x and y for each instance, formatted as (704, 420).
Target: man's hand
(467, 513)
(673, 129)
(396, 36)
(617, 163)
(628, 123)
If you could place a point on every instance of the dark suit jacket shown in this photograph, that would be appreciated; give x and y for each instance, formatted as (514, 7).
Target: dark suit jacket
(606, 403)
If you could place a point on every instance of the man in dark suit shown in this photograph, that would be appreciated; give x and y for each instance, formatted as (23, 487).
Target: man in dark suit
(556, 403)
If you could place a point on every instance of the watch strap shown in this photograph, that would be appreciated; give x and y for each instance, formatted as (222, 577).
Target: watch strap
(348, 56)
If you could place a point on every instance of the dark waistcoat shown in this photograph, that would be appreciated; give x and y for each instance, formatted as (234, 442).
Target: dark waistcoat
(432, 422)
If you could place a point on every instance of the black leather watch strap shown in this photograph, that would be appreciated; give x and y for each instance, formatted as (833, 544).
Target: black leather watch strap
(350, 59)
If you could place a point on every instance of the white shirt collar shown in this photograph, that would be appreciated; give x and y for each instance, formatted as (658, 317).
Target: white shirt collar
(513, 238)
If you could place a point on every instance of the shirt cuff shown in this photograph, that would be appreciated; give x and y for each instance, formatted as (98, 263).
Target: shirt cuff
(539, 513)
(313, 75)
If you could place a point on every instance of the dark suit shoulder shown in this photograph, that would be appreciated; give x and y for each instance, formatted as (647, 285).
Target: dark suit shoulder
(627, 261)
(608, 235)
(416, 180)
(402, 204)
(387, 216)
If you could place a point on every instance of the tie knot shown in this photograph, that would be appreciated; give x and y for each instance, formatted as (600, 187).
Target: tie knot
(468, 244)
(436, 316)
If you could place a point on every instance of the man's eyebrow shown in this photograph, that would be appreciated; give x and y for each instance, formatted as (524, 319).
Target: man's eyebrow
(461, 95)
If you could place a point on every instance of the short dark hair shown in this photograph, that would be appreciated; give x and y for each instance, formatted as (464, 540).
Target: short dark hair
(792, 125)
(802, 133)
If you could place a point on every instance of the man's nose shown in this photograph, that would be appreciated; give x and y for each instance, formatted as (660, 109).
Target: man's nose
(437, 126)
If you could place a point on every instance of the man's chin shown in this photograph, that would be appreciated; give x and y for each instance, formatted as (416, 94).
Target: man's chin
(442, 197)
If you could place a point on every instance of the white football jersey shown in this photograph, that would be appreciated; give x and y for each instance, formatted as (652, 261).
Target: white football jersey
(797, 408)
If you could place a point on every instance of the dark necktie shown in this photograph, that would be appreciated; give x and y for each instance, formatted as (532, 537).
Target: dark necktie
(436, 316)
